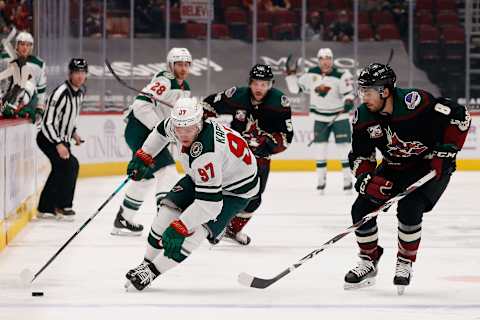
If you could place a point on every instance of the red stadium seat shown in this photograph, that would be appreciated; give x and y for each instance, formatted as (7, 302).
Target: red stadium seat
(230, 3)
(236, 20)
(196, 30)
(263, 31)
(281, 17)
(382, 17)
(447, 19)
(296, 4)
(329, 17)
(424, 5)
(454, 43)
(363, 18)
(447, 5)
(317, 5)
(220, 31)
(424, 18)
(339, 5)
(428, 44)
(388, 32)
(263, 17)
(365, 32)
(283, 32)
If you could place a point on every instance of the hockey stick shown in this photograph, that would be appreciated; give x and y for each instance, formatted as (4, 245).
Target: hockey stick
(28, 277)
(126, 85)
(390, 57)
(259, 283)
(323, 129)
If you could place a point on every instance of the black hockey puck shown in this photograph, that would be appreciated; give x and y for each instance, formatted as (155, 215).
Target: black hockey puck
(37, 294)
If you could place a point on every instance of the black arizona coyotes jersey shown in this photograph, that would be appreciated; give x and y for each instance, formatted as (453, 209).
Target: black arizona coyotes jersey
(418, 123)
(272, 117)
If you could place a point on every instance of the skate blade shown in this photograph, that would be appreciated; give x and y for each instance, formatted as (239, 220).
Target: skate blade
(61, 217)
(46, 216)
(127, 285)
(125, 233)
(400, 289)
(363, 284)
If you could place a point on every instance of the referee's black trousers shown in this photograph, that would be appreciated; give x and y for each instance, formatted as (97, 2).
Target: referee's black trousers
(60, 186)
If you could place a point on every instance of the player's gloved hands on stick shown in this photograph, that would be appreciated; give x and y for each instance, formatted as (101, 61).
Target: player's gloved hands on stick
(375, 188)
(348, 105)
(8, 110)
(34, 114)
(262, 146)
(140, 166)
(443, 161)
(173, 238)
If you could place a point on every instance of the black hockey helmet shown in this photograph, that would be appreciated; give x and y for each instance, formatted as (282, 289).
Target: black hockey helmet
(78, 64)
(261, 72)
(377, 75)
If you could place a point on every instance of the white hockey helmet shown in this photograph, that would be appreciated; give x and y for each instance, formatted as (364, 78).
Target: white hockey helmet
(187, 112)
(325, 53)
(25, 37)
(176, 55)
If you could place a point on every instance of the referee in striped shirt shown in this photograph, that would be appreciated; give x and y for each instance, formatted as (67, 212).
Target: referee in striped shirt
(57, 129)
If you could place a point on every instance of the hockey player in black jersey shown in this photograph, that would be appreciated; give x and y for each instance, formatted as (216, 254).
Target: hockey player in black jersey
(415, 132)
(263, 116)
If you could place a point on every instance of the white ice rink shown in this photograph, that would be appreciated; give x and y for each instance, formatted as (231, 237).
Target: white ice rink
(86, 280)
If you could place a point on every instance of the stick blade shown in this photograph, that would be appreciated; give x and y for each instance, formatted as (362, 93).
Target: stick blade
(26, 277)
(245, 279)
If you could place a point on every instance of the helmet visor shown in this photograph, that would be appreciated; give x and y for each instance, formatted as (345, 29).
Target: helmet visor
(369, 91)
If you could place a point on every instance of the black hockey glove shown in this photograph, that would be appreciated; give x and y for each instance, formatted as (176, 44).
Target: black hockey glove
(348, 105)
(443, 160)
(262, 146)
(377, 189)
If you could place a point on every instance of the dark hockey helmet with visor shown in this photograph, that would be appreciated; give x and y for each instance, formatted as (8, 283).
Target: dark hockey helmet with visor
(261, 72)
(78, 64)
(376, 76)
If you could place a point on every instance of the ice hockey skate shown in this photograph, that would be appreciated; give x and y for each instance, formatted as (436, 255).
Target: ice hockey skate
(403, 274)
(141, 276)
(364, 273)
(123, 227)
(239, 237)
(321, 189)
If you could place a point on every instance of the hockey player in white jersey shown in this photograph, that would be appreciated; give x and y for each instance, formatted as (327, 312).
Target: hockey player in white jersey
(142, 117)
(221, 177)
(25, 95)
(331, 100)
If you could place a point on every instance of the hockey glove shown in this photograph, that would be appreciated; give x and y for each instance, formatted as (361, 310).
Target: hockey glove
(140, 166)
(377, 189)
(262, 146)
(172, 240)
(348, 106)
(8, 110)
(29, 112)
(443, 160)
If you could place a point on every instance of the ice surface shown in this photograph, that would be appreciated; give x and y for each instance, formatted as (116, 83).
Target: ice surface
(86, 280)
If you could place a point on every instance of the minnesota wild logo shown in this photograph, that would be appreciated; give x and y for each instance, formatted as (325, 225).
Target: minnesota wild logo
(322, 90)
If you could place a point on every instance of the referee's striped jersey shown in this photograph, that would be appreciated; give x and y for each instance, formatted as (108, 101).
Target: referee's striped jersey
(63, 108)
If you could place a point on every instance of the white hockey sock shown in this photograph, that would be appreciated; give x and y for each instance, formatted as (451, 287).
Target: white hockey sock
(134, 196)
(161, 221)
(322, 163)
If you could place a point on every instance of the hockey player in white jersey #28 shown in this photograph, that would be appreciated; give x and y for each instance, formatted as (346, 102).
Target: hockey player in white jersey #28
(142, 117)
(221, 177)
(331, 100)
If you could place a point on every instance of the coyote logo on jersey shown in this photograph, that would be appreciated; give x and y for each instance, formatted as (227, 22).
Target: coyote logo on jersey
(403, 149)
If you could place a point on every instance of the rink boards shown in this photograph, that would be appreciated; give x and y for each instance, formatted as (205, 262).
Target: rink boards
(106, 153)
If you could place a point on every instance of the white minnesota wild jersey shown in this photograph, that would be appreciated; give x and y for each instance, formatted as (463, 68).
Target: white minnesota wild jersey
(164, 87)
(328, 92)
(33, 71)
(219, 163)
